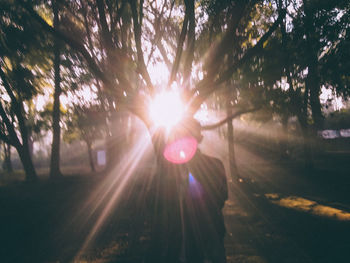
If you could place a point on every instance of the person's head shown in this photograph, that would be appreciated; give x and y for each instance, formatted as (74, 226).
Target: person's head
(182, 142)
(187, 127)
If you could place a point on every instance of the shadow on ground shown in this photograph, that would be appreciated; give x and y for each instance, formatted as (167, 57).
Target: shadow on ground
(48, 222)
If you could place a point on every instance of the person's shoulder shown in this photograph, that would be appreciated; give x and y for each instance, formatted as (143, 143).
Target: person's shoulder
(213, 162)
(210, 158)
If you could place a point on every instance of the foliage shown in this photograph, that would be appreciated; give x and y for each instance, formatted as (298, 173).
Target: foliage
(338, 120)
(85, 123)
(271, 55)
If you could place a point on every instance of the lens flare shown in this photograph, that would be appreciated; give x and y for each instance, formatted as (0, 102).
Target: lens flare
(181, 150)
(166, 109)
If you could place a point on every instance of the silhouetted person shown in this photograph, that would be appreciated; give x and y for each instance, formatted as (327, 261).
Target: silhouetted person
(165, 209)
(189, 194)
(205, 198)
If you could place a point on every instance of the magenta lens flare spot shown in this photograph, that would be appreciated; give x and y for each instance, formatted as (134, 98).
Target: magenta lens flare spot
(181, 150)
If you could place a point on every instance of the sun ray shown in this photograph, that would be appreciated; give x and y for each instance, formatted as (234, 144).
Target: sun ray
(112, 187)
(166, 109)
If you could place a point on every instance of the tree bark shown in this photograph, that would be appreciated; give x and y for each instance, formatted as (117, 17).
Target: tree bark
(283, 143)
(298, 104)
(7, 158)
(27, 162)
(91, 159)
(18, 111)
(312, 82)
(230, 138)
(190, 43)
(56, 129)
(305, 128)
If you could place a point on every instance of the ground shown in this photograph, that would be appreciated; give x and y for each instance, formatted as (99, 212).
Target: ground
(277, 212)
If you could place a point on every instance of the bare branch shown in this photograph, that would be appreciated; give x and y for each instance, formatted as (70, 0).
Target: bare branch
(77, 46)
(107, 38)
(4, 138)
(164, 54)
(87, 29)
(137, 32)
(251, 52)
(158, 32)
(119, 15)
(190, 42)
(208, 85)
(219, 50)
(228, 119)
(13, 140)
(17, 109)
(179, 48)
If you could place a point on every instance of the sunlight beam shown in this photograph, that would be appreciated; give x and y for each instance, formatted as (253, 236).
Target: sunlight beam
(166, 109)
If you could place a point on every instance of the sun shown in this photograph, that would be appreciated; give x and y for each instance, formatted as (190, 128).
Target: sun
(166, 109)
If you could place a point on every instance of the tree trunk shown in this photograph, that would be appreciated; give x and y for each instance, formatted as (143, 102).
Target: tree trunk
(190, 44)
(31, 145)
(27, 163)
(113, 142)
(307, 146)
(230, 139)
(56, 129)
(91, 159)
(313, 84)
(7, 158)
(284, 138)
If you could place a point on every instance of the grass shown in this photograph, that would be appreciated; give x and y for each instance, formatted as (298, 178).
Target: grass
(280, 216)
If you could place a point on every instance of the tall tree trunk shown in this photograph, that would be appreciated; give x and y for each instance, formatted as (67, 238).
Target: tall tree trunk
(308, 149)
(284, 138)
(91, 159)
(7, 158)
(230, 138)
(312, 82)
(302, 117)
(113, 141)
(190, 43)
(56, 129)
(24, 155)
(299, 106)
(31, 144)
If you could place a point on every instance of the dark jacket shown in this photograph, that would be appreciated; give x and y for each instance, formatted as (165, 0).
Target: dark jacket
(206, 196)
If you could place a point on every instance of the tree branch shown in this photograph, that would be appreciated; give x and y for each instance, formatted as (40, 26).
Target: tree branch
(10, 128)
(229, 118)
(251, 52)
(77, 46)
(87, 29)
(208, 85)
(218, 51)
(17, 109)
(190, 42)
(137, 33)
(119, 15)
(4, 138)
(157, 28)
(107, 38)
(164, 55)
(179, 50)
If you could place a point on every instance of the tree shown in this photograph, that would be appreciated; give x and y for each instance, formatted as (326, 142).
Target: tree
(7, 163)
(115, 38)
(22, 64)
(56, 129)
(85, 123)
(292, 62)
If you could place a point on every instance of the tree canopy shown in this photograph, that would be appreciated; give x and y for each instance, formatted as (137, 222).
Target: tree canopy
(274, 56)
